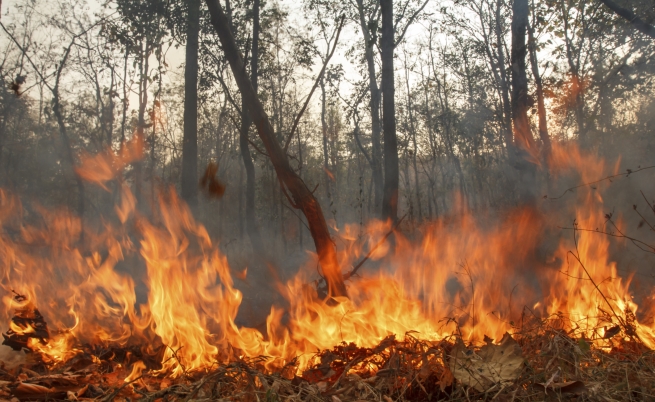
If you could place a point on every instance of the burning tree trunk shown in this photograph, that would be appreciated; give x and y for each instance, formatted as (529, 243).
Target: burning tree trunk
(301, 197)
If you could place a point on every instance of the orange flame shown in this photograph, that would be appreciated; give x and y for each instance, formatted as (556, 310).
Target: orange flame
(464, 276)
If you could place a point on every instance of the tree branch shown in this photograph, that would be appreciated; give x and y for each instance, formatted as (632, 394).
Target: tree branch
(318, 79)
(409, 22)
(639, 24)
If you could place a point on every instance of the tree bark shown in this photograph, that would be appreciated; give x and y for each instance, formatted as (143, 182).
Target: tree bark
(391, 171)
(190, 140)
(301, 197)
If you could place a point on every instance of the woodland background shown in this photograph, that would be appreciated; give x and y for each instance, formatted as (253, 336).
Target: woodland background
(79, 77)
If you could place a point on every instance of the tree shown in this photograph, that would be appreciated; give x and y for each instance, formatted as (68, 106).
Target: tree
(521, 101)
(301, 197)
(391, 179)
(190, 140)
(244, 147)
(538, 82)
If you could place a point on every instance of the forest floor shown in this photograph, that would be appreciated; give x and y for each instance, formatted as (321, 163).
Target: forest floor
(539, 361)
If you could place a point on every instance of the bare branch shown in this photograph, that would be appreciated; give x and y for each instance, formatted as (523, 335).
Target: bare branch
(318, 79)
(409, 22)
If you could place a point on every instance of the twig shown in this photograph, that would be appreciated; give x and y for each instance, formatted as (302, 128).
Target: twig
(197, 387)
(628, 173)
(576, 256)
(111, 396)
(257, 148)
(297, 216)
(359, 265)
(620, 236)
(652, 208)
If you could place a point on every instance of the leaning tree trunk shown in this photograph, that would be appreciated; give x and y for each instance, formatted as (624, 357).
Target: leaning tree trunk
(301, 197)
(190, 139)
(391, 174)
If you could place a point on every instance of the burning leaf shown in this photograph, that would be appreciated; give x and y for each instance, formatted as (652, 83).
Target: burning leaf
(492, 364)
(27, 323)
(210, 184)
(610, 332)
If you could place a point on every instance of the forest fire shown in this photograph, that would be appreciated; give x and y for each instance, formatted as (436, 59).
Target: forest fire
(453, 283)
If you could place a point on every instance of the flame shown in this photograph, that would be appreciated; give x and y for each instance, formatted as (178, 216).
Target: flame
(137, 369)
(468, 275)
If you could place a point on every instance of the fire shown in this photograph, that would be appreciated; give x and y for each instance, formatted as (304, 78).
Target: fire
(459, 277)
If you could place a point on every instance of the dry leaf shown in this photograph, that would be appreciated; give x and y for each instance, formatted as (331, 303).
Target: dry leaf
(492, 364)
(213, 187)
(33, 389)
(446, 379)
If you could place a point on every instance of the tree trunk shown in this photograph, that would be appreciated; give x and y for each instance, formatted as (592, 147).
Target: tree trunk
(520, 98)
(576, 82)
(326, 157)
(525, 147)
(56, 108)
(376, 127)
(504, 87)
(391, 173)
(541, 106)
(190, 140)
(412, 127)
(301, 197)
(141, 124)
(125, 99)
(251, 220)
